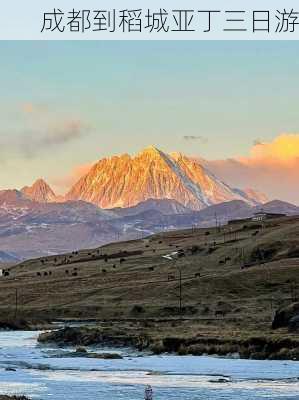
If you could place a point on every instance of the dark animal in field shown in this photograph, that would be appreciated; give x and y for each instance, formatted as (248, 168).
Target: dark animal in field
(194, 249)
(181, 253)
(219, 313)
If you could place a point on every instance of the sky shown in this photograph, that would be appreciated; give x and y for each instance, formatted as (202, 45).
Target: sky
(64, 105)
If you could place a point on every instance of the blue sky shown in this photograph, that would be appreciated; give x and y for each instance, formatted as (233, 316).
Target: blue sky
(64, 104)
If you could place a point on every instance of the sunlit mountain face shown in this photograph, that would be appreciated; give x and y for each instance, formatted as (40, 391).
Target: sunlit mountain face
(125, 181)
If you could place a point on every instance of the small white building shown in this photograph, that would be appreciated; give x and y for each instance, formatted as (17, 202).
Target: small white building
(262, 216)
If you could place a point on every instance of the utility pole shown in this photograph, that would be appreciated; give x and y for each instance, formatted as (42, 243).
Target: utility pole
(293, 292)
(242, 257)
(180, 290)
(16, 303)
(180, 295)
(216, 222)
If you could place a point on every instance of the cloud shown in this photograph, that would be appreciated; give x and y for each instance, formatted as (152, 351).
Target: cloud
(64, 183)
(64, 132)
(202, 139)
(28, 108)
(258, 142)
(271, 167)
(33, 108)
(283, 149)
(46, 135)
(39, 129)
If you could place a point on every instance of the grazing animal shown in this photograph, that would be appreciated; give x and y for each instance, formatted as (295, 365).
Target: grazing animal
(219, 313)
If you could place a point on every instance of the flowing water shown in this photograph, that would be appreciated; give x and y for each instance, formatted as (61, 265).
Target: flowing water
(45, 372)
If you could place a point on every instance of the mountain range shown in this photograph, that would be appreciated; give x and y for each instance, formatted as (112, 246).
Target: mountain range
(121, 198)
(125, 181)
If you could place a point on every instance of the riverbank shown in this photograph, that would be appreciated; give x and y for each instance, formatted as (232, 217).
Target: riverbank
(180, 337)
(4, 397)
(24, 324)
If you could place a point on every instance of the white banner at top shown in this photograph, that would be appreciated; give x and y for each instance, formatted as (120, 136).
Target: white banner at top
(149, 20)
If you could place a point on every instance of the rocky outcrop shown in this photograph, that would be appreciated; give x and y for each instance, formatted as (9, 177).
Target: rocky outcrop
(82, 336)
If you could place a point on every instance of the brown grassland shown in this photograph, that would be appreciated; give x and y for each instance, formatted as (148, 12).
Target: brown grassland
(233, 279)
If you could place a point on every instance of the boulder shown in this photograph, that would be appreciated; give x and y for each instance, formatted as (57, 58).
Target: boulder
(294, 324)
(284, 315)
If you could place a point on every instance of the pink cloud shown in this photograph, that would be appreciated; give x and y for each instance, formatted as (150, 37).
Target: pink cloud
(271, 167)
(64, 183)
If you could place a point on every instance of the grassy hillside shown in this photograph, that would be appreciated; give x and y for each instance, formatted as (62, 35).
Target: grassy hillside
(234, 276)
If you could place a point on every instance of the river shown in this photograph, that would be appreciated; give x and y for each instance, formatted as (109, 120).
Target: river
(45, 372)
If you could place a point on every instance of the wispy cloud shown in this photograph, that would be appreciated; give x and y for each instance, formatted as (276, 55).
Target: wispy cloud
(64, 132)
(41, 129)
(201, 139)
